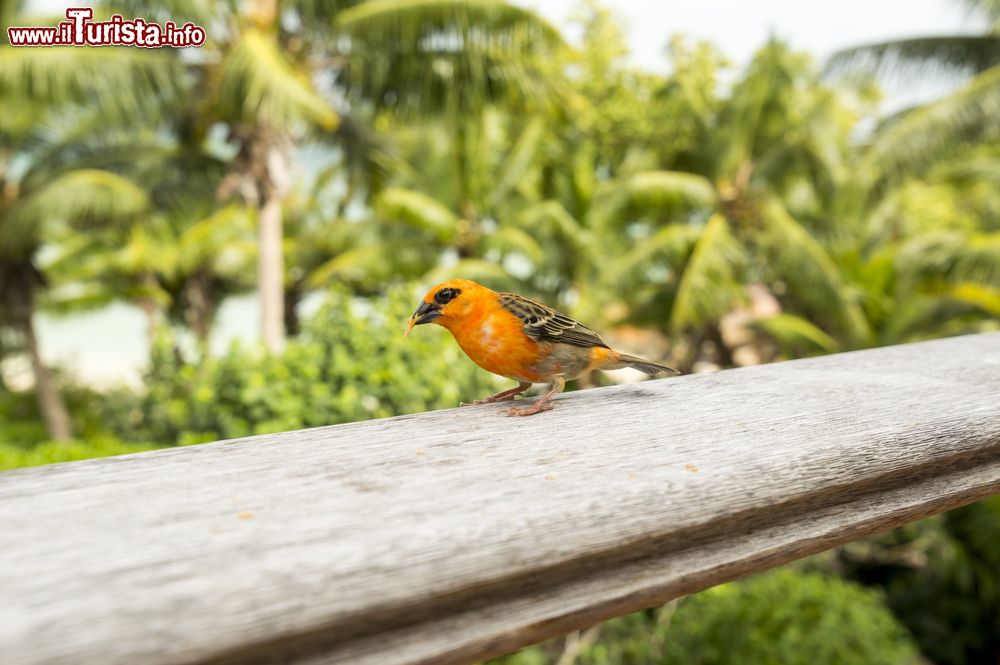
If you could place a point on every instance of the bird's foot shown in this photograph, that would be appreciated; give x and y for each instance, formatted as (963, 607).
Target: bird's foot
(489, 400)
(505, 396)
(537, 407)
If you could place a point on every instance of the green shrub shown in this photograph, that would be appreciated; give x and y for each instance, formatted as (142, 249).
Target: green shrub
(21, 424)
(784, 616)
(788, 617)
(941, 577)
(351, 363)
(14, 457)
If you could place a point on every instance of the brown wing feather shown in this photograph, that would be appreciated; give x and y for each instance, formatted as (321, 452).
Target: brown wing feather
(542, 323)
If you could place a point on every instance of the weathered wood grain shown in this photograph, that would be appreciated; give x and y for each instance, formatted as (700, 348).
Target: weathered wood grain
(455, 535)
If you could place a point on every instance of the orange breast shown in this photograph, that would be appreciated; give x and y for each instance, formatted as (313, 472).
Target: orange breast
(494, 339)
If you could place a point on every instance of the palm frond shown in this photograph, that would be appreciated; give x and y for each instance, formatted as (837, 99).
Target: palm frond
(123, 82)
(770, 79)
(475, 269)
(417, 210)
(951, 258)
(980, 259)
(910, 59)
(317, 13)
(556, 220)
(708, 286)
(673, 242)
(353, 265)
(9, 11)
(810, 272)
(150, 246)
(972, 169)
(260, 84)
(915, 140)
(517, 161)
(222, 238)
(552, 215)
(985, 297)
(200, 12)
(668, 190)
(796, 335)
(991, 8)
(81, 197)
(511, 239)
(424, 55)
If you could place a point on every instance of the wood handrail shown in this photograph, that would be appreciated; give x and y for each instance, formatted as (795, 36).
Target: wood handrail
(457, 535)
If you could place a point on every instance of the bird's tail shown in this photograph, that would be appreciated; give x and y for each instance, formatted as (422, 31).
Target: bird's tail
(625, 360)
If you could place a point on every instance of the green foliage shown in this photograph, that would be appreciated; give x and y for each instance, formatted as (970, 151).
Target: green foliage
(83, 196)
(402, 56)
(350, 363)
(920, 137)
(796, 335)
(21, 424)
(783, 616)
(259, 83)
(941, 577)
(708, 288)
(53, 452)
(790, 617)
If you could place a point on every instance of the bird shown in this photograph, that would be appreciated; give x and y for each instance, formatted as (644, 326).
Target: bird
(520, 339)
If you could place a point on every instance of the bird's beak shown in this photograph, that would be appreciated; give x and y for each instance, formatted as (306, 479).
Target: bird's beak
(427, 312)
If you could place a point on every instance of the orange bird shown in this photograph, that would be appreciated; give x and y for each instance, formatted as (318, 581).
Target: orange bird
(520, 339)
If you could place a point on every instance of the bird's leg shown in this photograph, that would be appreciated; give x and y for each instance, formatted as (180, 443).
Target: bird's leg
(502, 397)
(543, 403)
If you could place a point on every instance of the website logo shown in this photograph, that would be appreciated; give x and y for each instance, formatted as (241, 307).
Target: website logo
(80, 30)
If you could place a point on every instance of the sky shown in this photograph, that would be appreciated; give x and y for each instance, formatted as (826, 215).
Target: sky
(109, 346)
(739, 27)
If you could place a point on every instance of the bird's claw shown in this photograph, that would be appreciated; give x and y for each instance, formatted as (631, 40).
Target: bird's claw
(488, 400)
(528, 410)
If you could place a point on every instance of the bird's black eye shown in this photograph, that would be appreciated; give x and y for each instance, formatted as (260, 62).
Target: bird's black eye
(445, 296)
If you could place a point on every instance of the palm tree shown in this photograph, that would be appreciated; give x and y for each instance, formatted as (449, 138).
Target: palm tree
(912, 140)
(941, 277)
(932, 251)
(581, 216)
(747, 195)
(175, 267)
(445, 214)
(45, 188)
(325, 246)
(186, 255)
(277, 74)
(33, 209)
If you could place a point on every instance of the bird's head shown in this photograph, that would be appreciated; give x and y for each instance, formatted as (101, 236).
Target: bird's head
(448, 303)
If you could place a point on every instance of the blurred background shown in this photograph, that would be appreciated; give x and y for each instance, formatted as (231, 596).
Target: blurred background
(214, 242)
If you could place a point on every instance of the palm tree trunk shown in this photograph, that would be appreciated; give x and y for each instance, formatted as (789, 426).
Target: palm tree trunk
(271, 273)
(199, 307)
(50, 402)
(266, 158)
(149, 307)
(261, 176)
(465, 239)
(293, 295)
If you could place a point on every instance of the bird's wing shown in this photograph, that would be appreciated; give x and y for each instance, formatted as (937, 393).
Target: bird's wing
(542, 323)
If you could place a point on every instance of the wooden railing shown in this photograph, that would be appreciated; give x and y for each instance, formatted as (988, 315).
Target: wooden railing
(456, 535)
